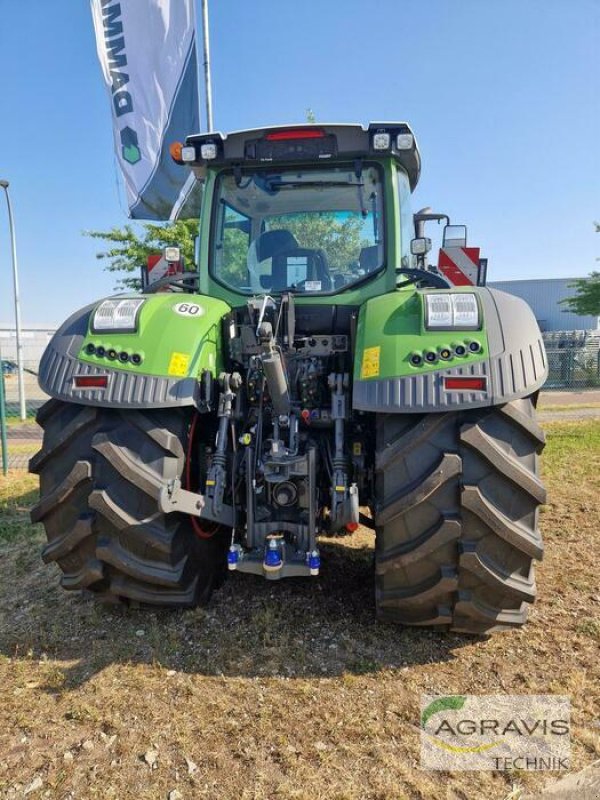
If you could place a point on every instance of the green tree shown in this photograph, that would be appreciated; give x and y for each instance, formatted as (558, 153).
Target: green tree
(130, 247)
(587, 298)
(339, 238)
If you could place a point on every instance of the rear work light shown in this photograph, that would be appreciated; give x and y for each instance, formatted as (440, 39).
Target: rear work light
(90, 381)
(188, 153)
(299, 133)
(117, 315)
(405, 141)
(458, 310)
(460, 384)
(381, 141)
(208, 151)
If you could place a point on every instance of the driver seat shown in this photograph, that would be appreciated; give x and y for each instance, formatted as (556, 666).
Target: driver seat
(311, 263)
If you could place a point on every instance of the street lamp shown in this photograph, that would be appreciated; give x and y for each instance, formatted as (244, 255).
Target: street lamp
(13, 241)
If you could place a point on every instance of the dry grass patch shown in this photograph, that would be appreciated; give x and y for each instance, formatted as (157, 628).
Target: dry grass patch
(280, 691)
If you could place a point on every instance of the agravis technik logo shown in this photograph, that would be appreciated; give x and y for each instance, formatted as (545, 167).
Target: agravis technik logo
(497, 732)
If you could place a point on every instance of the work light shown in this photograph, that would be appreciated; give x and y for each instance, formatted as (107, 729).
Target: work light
(405, 141)
(459, 310)
(188, 153)
(381, 141)
(117, 315)
(208, 151)
(172, 253)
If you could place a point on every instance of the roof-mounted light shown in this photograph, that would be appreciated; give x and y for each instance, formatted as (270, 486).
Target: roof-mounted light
(381, 141)
(405, 141)
(208, 151)
(188, 153)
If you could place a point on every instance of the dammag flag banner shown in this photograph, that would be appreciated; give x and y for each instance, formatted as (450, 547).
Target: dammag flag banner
(147, 51)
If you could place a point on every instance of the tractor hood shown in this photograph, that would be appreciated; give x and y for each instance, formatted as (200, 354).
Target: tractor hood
(148, 350)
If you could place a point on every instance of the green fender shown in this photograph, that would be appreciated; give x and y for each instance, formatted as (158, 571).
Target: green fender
(506, 355)
(177, 338)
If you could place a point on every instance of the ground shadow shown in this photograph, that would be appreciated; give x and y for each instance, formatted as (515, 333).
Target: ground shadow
(295, 628)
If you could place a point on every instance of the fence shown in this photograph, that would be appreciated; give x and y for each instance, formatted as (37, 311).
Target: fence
(573, 359)
(19, 439)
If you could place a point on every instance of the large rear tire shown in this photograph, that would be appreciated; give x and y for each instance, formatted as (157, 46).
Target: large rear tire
(456, 517)
(100, 474)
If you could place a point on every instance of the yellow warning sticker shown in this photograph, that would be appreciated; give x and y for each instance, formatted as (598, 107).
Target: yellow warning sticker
(178, 365)
(370, 362)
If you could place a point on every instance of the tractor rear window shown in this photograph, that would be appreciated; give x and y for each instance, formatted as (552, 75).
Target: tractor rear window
(312, 231)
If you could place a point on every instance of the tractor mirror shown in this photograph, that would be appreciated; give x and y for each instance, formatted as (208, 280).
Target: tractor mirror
(455, 236)
(418, 247)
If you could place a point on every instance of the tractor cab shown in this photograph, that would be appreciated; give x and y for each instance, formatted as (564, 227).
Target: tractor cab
(321, 211)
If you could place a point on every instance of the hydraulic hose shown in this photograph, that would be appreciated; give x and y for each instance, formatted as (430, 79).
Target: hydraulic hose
(198, 529)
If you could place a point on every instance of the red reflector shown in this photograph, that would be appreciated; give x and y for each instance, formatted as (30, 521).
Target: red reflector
(90, 381)
(303, 133)
(464, 384)
(351, 526)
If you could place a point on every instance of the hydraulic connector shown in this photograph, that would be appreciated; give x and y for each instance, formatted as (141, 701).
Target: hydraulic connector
(273, 560)
(314, 562)
(233, 557)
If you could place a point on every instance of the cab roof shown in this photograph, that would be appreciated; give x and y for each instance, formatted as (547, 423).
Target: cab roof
(308, 142)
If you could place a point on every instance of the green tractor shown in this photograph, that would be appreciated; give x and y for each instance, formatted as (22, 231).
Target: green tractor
(312, 376)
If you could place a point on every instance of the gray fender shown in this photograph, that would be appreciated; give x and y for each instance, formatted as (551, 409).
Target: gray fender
(59, 364)
(516, 367)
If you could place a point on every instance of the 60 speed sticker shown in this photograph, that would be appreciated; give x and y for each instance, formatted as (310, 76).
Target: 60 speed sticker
(188, 309)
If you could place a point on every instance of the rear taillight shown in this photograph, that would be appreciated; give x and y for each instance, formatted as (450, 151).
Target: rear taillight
(298, 133)
(90, 381)
(460, 384)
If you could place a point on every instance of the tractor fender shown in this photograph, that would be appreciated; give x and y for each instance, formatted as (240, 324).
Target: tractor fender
(510, 358)
(177, 339)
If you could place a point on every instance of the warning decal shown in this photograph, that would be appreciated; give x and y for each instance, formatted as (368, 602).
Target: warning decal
(370, 362)
(178, 365)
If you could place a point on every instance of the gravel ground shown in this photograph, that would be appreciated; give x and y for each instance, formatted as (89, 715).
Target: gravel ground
(288, 690)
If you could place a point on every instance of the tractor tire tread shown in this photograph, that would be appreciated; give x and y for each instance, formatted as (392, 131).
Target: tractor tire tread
(456, 517)
(101, 471)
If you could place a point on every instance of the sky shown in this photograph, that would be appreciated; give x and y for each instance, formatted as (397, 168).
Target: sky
(503, 95)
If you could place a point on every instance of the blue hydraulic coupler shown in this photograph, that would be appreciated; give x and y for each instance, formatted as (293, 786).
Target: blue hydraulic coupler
(314, 562)
(273, 560)
(233, 556)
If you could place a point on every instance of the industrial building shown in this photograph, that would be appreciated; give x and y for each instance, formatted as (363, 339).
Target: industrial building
(34, 339)
(572, 341)
(544, 296)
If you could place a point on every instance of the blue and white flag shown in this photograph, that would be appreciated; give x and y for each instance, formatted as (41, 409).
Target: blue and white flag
(147, 51)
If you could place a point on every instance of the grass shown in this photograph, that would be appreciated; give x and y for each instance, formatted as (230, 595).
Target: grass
(566, 407)
(282, 690)
(13, 421)
(18, 492)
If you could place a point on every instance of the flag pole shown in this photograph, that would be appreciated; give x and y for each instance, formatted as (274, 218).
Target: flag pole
(207, 80)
